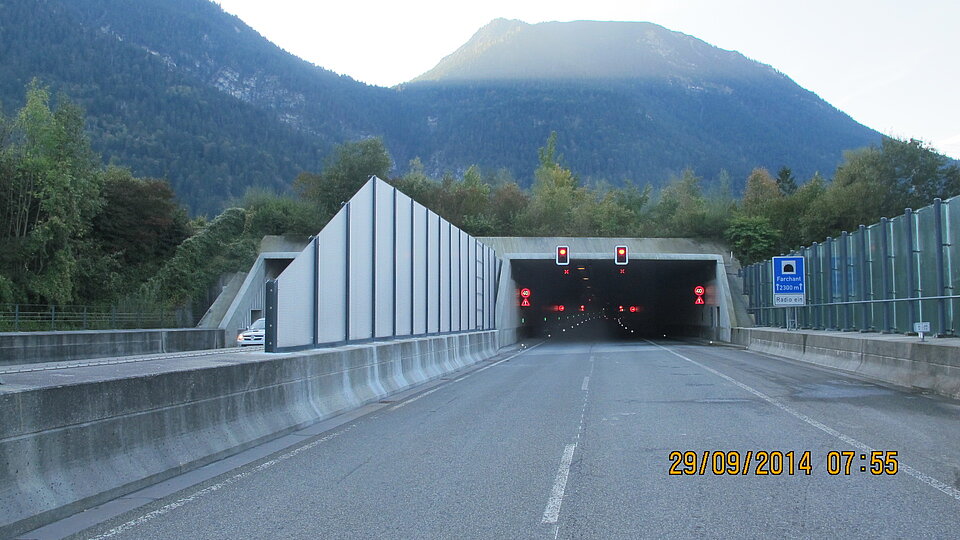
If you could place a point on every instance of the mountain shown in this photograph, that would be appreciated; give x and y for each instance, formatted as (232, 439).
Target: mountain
(181, 90)
(589, 50)
(629, 100)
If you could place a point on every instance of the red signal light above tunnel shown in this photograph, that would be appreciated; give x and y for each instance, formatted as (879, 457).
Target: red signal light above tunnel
(563, 255)
(620, 255)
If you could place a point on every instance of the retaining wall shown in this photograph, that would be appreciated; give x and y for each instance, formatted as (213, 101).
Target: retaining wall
(35, 347)
(67, 448)
(931, 366)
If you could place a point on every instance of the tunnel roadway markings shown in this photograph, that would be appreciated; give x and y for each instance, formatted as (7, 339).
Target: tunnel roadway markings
(551, 514)
(919, 475)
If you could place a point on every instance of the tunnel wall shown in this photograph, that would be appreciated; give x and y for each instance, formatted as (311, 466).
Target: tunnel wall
(507, 311)
(69, 447)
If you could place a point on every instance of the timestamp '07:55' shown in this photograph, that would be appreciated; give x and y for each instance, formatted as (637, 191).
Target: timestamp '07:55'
(880, 462)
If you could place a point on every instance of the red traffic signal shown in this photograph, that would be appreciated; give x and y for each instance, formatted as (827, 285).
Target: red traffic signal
(620, 255)
(563, 255)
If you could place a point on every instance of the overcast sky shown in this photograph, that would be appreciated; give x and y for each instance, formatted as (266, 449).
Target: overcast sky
(893, 65)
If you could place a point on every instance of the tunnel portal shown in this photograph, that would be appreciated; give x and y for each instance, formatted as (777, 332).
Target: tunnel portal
(654, 294)
(649, 297)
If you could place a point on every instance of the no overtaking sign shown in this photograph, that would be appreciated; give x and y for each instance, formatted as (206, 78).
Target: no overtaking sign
(789, 282)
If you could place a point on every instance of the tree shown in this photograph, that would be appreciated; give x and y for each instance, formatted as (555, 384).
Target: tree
(681, 210)
(786, 181)
(49, 193)
(507, 203)
(272, 214)
(220, 247)
(555, 195)
(141, 220)
(752, 238)
(138, 228)
(916, 173)
(760, 192)
(349, 167)
(417, 185)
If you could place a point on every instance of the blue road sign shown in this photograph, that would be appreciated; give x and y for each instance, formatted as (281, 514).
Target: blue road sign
(789, 281)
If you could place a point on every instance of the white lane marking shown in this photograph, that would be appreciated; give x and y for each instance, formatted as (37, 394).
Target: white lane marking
(586, 383)
(428, 392)
(411, 400)
(511, 357)
(552, 513)
(923, 477)
(216, 487)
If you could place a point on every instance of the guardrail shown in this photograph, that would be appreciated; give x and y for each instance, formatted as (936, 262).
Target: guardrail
(47, 318)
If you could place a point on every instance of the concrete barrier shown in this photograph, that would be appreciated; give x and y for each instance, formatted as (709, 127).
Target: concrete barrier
(35, 347)
(67, 448)
(930, 366)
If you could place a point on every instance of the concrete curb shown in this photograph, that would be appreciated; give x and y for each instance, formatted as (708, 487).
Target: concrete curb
(66, 448)
(37, 347)
(932, 366)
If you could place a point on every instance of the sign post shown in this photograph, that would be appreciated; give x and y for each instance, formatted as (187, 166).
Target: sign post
(789, 283)
(921, 328)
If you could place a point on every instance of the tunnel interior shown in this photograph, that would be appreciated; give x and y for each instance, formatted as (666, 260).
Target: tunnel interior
(643, 299)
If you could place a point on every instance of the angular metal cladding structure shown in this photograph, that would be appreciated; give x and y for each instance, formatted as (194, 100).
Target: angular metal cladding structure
(384, 267)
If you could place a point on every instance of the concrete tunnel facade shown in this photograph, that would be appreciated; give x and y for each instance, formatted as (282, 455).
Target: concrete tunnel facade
(654, 294)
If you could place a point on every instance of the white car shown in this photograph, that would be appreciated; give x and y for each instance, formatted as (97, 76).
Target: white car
(252, 335)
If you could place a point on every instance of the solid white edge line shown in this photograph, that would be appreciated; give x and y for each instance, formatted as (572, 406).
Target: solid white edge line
(921, 476)
(552, 512)
(216, 487)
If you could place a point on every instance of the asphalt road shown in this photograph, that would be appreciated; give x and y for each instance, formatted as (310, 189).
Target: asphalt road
(572, 439)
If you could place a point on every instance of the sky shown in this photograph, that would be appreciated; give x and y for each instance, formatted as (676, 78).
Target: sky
(892, 65)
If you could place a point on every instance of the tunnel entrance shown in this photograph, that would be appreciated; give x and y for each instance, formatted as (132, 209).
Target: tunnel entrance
(643, 299)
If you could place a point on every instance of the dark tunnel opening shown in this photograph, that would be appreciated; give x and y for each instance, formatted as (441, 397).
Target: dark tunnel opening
(643, 299)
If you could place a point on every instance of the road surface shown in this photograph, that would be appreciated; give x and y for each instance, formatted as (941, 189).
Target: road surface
(572, 438)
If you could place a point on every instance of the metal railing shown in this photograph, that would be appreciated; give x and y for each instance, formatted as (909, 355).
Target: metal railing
(884, 277)
(47, 318)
